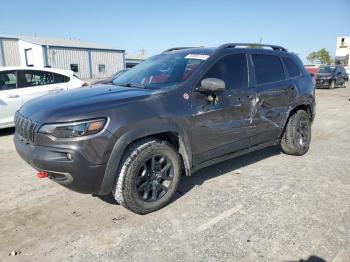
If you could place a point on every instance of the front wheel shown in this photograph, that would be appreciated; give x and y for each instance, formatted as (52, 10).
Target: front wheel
(332, 85)
(148, 176)
(297, 135)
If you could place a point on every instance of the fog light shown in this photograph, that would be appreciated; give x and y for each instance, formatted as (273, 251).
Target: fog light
(69, 156)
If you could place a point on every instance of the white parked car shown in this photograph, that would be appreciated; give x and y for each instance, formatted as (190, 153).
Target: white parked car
(20, 84)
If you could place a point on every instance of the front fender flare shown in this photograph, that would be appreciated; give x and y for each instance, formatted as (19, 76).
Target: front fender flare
(131, 136)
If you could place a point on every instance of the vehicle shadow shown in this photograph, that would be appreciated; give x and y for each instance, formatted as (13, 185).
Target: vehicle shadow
(310, 259)
(187, 183)
(7, 131)
(202, 175)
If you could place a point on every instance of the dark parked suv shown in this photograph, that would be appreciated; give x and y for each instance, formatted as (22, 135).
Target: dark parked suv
(177, 112)
(331, 77)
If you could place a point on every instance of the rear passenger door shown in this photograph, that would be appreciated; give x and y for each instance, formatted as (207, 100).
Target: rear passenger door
(35, 83)
(273, 94)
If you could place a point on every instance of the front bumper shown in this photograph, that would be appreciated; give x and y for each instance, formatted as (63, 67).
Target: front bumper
(323, 83)
(77, 173)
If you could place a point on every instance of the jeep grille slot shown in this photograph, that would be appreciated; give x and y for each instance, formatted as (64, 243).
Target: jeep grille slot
(25, 127)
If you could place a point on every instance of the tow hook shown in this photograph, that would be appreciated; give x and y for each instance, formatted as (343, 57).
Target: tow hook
(42, 174)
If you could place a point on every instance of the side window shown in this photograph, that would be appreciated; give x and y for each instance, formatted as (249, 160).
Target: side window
(102, 68)
(31, 78)
(232, 69)
(58, 78)
(268, 68)
(292, 68)
(8, 80)
(74, 68)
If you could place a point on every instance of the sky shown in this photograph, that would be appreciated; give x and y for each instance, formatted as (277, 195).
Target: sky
(301, 26)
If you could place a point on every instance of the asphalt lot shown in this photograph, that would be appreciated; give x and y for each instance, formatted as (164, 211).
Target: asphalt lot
(265, 206)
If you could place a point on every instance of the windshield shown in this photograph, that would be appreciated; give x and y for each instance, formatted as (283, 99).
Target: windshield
(326, 69)
(161, 71)
(116, 74)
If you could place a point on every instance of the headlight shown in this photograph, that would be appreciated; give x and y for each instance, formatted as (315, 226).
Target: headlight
(76, 129)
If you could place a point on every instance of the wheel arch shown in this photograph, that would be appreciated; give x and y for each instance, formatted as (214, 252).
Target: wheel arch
(169, 132)
(307, 107)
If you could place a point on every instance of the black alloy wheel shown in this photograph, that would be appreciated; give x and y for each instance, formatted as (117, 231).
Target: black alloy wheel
(154, 178)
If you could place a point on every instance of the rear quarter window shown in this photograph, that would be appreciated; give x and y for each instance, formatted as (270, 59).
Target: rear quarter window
(58, 78)
(268, 68)
(292, 68)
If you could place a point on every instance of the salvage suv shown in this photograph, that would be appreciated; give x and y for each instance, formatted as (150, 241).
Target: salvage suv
(177, 112)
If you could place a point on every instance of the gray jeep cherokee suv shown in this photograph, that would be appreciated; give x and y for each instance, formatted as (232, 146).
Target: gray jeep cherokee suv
(173, 114)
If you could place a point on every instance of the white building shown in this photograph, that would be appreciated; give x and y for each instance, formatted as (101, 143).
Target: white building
(342, 52)
(88, 60)
(132, 60)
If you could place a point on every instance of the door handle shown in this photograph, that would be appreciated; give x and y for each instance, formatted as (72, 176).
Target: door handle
(292, 87)
(250, 96)
(13, 96)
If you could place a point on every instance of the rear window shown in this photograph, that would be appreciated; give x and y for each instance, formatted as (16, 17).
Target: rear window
(36, 78)
(291, 66)
(268, 68)
(58, 78)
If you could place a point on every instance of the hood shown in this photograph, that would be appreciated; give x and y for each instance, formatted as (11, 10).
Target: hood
(80, 103)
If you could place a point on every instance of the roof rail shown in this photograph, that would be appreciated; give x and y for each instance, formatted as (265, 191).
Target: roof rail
(233, 45)
(177, 48)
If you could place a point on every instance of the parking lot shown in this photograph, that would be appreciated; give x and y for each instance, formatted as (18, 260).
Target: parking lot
(264, 206)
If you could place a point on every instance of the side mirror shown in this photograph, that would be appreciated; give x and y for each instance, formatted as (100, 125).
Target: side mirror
(312, 74)
(211, 85)
(338, 73)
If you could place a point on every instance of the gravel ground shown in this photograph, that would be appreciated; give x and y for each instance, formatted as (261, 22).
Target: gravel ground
(264, 206)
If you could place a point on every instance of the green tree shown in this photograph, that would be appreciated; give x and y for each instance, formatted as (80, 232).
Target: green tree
(312, 57)
(324, 56)
(321, 55)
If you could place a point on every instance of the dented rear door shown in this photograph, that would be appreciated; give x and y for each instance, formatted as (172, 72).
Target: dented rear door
(273, 93)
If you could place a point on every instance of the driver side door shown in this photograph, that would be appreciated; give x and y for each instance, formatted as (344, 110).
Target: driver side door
(217, 126)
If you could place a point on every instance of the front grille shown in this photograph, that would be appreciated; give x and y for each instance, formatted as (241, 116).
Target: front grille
(25, 127)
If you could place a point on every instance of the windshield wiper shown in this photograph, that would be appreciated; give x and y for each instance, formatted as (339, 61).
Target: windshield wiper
(130, 85)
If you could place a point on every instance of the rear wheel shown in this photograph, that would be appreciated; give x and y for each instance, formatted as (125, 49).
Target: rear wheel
(297, 135)
(148, 177)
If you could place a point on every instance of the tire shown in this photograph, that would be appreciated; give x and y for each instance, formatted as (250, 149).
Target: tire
(141, 186)
(297, 134)
(332, 85)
